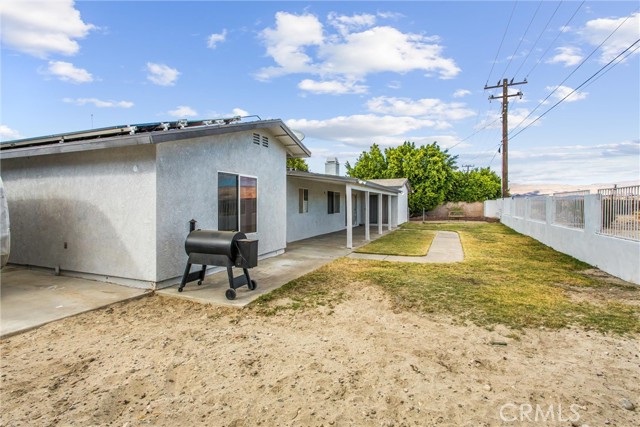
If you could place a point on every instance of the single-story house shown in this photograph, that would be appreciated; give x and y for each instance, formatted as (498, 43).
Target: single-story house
(114, 204)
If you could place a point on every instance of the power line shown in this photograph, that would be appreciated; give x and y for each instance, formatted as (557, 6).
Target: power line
(538, 39)
(576, 89)
(501, 41)
(572, 72)
(521, 39)
(631, 52)
(474, 133)
(554, 40)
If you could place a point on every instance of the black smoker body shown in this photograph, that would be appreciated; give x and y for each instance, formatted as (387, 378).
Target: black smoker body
(222, 249)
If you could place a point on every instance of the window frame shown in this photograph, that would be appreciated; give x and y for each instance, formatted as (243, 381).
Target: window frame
(303, 200)
(239, 186)
(333, 202)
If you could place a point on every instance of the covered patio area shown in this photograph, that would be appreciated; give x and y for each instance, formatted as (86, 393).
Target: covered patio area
(320, 204)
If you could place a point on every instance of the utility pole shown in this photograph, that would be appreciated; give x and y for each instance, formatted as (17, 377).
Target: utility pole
(505, 128)
(468, 167)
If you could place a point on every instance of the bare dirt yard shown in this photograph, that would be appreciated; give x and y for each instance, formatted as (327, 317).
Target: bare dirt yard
(359, 362)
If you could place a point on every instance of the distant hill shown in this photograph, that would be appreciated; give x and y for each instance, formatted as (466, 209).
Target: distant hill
(542, 188)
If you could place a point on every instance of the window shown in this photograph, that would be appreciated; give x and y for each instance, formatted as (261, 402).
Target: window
(248, 204)
(303, 200)
(333, 202)
(237, 203)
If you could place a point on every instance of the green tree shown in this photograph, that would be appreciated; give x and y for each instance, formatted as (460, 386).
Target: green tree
(476, 185)
(428, 169)
(297, 164)
(369, 165)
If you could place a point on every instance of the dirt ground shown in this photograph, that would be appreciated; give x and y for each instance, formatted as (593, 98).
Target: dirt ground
(168, 362)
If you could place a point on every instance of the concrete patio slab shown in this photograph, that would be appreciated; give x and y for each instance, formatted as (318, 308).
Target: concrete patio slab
(32, 298)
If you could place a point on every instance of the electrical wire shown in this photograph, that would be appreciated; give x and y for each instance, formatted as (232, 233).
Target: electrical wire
(538, 39)
(631, 52)
(474, 133)
(572, 72)
(521, 39)
(501, 41)
(554, 40)
(576, 89)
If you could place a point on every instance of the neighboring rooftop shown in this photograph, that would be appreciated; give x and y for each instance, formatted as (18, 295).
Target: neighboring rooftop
(392, 182)
(149, 133)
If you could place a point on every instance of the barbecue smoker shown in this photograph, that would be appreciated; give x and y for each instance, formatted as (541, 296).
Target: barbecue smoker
(223, 249)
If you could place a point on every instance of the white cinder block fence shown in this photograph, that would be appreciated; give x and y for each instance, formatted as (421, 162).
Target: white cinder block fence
(599, 229)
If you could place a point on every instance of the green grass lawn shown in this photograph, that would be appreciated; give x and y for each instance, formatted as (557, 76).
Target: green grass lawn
(506, 278)
(403, 242)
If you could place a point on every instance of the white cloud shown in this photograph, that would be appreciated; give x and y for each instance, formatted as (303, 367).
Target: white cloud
(67, 72)
(347, 128)
(182, 111)
(214, 39)
(596, 30)
(300, 44)
(385, 49)
(99, 103)
(239, 112)
(42, 28)
(161, 74)
(460, 93)
(567, 56)
(565, 91)
(286, 42)
(7, 134)
(345, 24)
(332, 87)
(518, 117)
(426, 107)
(395, 84)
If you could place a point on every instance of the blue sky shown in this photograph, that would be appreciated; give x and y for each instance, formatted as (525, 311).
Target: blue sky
(346, 74)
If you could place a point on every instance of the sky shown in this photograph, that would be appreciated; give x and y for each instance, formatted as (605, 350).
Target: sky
(345, 74)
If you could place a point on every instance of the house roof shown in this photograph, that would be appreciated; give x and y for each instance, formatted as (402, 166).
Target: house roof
(356, 183)
(149, 133)
(393, 182)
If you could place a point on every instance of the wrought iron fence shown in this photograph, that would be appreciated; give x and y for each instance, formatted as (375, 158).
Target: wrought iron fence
(620, 212)
(538, 208)
(569, 208)
(519, 206)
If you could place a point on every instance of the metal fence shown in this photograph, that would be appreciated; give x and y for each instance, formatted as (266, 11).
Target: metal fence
(519, 204)
(620, 212)
(569, 208)
(538, 208)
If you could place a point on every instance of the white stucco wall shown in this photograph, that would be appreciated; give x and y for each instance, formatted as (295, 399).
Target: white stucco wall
(317, 221)
(188, 188)
(101, 204)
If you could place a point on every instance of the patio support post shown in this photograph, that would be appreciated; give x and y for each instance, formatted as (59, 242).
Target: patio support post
(367, 209)
(349, 218)
(389, 219)
(379, 213)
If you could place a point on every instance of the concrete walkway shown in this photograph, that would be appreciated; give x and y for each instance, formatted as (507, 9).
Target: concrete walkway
(445, 248)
